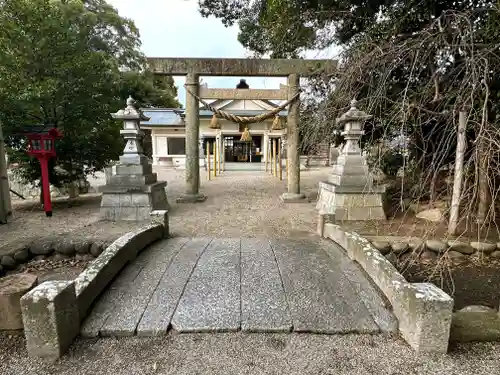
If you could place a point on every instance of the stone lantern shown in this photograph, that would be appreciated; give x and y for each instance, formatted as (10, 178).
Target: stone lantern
(133, 152)
(132, 191)
(349, 193)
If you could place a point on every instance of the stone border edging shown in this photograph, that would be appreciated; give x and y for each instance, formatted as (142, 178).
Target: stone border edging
(456, 250)
(52, 312)
(56, 247)
(423, 310)
(63, 246)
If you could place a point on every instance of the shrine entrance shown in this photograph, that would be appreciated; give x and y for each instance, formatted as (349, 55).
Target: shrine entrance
(238, 151)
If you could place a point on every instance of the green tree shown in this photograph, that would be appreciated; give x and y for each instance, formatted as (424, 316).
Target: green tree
(69, 64)
(149, 91)
(285, 28)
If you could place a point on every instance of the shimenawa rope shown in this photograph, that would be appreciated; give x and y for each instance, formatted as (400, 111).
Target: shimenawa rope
(241, 119)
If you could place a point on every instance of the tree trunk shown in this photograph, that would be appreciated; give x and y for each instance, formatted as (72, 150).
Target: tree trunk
(73, 189)
(482, 165)
(434, 170)
(483, 188)
(459, 172)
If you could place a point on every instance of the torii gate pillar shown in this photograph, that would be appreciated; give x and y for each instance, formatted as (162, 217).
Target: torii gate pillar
(192, 194)
(293, 142)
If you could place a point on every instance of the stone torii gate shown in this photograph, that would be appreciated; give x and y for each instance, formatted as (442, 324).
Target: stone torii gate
(193, 68)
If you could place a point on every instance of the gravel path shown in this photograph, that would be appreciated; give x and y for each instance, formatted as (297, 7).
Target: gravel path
(231, 354)
(238, 204)
(242, 204)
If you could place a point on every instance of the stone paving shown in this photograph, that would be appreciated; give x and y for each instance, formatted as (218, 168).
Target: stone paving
(207, 284)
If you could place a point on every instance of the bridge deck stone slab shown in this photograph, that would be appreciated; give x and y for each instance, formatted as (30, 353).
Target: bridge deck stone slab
(229, 284)
(126, 315)
(114, 296)
(264, 307)
(160, 310)
(320, 297)
(211, 300)
(367, 293)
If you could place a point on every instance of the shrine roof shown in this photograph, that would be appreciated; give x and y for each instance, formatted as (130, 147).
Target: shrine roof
(163, 117)
(174, 117)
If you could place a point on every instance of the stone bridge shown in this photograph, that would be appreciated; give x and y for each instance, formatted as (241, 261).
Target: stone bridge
(230, 284)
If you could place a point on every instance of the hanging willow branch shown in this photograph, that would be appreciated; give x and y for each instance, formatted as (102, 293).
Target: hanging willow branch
(415, 86)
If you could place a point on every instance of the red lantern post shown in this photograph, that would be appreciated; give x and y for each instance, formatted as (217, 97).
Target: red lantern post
(42, 146)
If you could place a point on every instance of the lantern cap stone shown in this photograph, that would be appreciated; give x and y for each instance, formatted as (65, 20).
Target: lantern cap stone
(353, 114)
(130, 112)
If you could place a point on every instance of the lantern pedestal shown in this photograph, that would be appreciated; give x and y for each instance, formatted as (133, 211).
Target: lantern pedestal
(132, 190)
(132, 197)
(349, 193)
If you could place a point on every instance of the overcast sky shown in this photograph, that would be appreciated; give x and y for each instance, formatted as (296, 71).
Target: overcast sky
(174, 28)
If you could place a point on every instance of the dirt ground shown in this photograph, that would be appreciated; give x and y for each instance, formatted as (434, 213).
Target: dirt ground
(75, 218)
(238, 204)
(472, 282)
(51, 269)
(79, 216)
